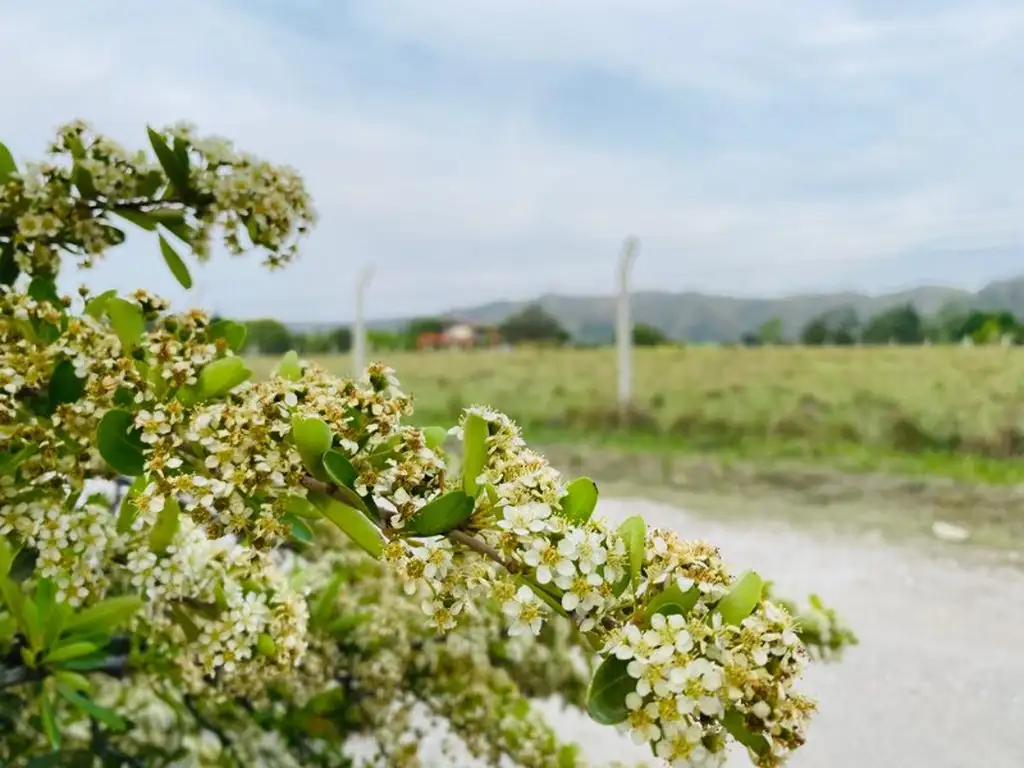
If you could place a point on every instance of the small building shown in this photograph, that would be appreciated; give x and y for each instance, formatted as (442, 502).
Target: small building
(460, 335)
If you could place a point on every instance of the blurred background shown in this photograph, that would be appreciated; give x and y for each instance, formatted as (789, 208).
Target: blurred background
(813, 343)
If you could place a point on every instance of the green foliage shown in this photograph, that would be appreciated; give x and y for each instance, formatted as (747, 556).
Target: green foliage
(120, 443)
(580, 500)
(533, 325)
(441, 515)
(229, 595)
(645, 335)
(742, 598)
(606, 698)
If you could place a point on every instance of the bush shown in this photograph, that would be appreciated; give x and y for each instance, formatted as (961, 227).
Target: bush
(292, 565)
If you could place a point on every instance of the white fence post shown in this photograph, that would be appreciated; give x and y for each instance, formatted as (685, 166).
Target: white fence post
(624, 325)
(359, 327)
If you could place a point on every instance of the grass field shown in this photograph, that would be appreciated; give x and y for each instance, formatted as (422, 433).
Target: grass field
(952, 411)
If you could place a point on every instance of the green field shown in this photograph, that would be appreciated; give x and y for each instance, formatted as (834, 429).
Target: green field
(952, 411)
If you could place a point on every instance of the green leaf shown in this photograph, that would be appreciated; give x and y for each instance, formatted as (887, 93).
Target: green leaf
(579, 501)
(128, 512)
(65, 386)
(127, 321)
(344, 624)
(443, 514)
(9, 590)
(339, 468)
(632, 531)
(10, 461)
(181, 230)
(149, 220)
(736, 726)
(105, 615)
(183, 620)
(138, 218)
(8, 167)
(120, 444)
(8, 627)
(9, 269)
(351, 521)
(312, 439)
(289, 367)
(170, 161)
(672, 600)
(87, 663)
(300, 531)
(106, 716)
(82, 179)
(220, 377)
(51, 614)
(265, 644)
(742, 599)
(49, 720)
(474, 452)
(96, 307)
(44, 289)
(72, 680)
(174, 262)
(326, 603)
(24, 564)
(348, 496)
(233, 333)
(302, 507)
(606, 696)
(166, 526)
(32, 624)
(434, 437)
(70, 651)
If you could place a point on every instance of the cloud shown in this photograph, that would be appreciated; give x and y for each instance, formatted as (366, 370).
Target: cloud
(479, 151)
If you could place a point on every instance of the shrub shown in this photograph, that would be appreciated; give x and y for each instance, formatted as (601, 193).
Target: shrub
(293, 566)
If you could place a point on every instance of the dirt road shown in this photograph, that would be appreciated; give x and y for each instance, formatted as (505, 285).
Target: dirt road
(938, 679)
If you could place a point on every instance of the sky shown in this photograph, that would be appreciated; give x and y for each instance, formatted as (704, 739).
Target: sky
(474, 151)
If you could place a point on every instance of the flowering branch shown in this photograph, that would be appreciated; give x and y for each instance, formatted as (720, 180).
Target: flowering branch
(225, 561)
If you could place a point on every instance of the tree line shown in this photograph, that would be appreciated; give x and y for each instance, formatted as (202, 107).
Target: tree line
(531, 325)
(902, 324)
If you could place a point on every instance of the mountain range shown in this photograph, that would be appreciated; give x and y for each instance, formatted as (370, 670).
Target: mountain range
(700, 317)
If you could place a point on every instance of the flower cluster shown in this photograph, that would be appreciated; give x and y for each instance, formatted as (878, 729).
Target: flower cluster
(295, 567)
(199, 184)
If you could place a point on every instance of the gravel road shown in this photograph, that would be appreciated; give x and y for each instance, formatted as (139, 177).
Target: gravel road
(938, 679)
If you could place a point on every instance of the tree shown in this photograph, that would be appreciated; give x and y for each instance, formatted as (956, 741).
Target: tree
(341, 338)
(902, 325)
(770, 331)
(268, 337)
(282, 572)
(645, 335)
(815, 333)
(533, 324)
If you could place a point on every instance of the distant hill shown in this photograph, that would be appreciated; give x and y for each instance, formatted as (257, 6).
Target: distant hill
(703, 317)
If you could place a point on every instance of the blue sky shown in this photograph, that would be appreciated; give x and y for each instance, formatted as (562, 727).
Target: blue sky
(482, 150)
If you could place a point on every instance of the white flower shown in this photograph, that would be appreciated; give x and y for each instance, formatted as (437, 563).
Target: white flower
(524, 609)
(547, 562)
(525, 519)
